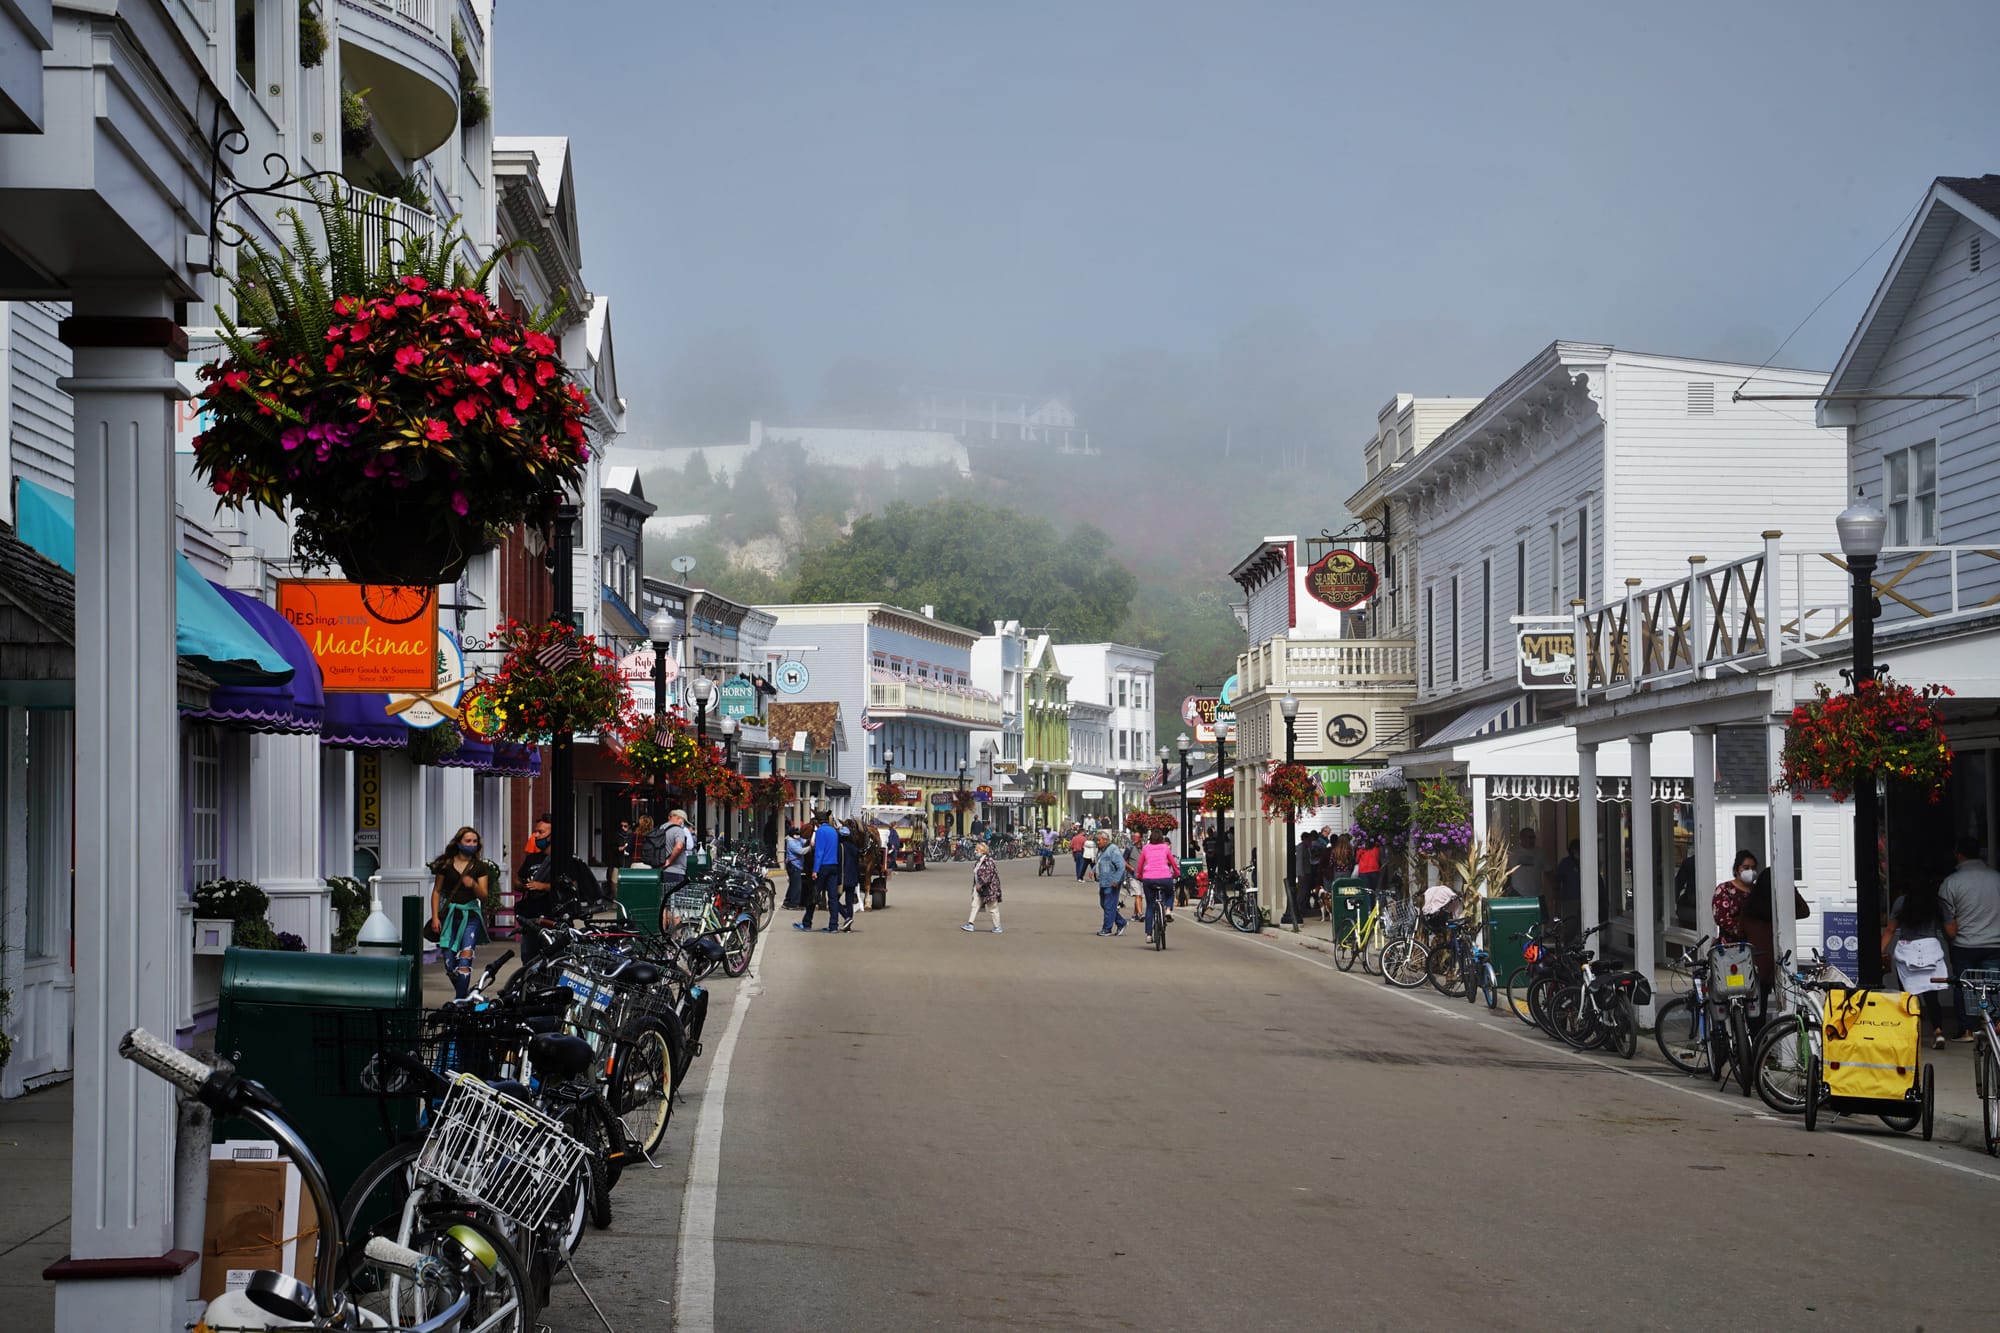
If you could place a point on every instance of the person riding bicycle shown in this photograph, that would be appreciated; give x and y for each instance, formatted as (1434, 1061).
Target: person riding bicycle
(1157, 870)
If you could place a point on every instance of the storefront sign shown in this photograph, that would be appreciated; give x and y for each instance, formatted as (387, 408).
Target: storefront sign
(791, 677)
(738, 698)
(367, 799)
(1347, 731)
(1545, 659)
(1342, 580)
(1841, 944)
(424, 709)
(359, 637)
(1514, 787)
(1336, 782)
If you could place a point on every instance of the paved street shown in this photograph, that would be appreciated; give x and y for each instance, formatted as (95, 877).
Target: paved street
(929, 1129)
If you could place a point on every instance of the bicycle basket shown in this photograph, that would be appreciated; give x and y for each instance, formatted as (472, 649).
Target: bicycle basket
(687, 902)
(494, 1150)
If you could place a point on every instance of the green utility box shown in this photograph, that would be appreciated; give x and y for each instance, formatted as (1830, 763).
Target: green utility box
(639, 895)
(1351, 901)
(1506, 918)
(308, 1026)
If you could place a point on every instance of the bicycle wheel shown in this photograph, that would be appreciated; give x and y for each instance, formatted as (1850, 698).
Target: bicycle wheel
(642, 1081)
(1405, 963)
(1622, 1027)
(503, 1297)
(1210, 907)
(1574, 1022)
(1348, 951)
(1677, 1027)
(767, 905)
(1160, 929)
(1372, 945)
(1739, 1049)
(1541, 991)
(1813, 1092)
(1484, 985)
(1446, 971)
(1518, 982)
(739, 943)
(1245, 914)
(1989, 1096)
(1779, 1063)
(374, 1202)
(604, 1136)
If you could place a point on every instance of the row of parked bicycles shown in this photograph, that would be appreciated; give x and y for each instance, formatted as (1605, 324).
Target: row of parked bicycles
(1718, 1023)
(532, 1099)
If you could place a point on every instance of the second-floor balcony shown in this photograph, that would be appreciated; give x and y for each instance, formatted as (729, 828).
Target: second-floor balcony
(1382, 665)
(400, 51)
(889, 699)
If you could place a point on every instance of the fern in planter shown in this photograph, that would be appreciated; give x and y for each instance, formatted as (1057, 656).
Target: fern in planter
(475, 104)
(312, 36)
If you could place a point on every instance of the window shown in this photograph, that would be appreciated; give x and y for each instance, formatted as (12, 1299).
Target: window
(1430, 638)
(1555, 567)
(1909, 488)
(1521, 577)
(1454, 627)
(1486, 617)
(1124, 740)
(1583, 554)
(246, 48)
(1121, 692)
(204, 804)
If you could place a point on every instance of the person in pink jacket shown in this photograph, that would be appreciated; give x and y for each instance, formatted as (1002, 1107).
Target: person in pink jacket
(1157, 870)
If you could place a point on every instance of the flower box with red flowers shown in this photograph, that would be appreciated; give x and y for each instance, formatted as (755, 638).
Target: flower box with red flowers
(1288, 790)
(1218, 795)
(552, 679)
(1895, 732)
(384, 403)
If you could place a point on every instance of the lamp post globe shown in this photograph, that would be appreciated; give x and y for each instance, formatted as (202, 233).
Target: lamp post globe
(727, 726)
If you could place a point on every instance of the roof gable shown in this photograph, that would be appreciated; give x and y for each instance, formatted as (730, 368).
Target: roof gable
(1973, 198)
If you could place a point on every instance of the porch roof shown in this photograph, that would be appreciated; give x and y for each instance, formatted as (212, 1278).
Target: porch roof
(1547, 751)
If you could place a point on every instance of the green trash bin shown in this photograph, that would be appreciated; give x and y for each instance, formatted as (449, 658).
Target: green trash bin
(639, 895)
(1351, 901)
(308, 1026)
(1506, 918)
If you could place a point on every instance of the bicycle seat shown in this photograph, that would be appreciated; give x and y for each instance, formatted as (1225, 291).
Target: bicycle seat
(513, 1087)
(636, 972)
(557, 1055)
(543, 1023)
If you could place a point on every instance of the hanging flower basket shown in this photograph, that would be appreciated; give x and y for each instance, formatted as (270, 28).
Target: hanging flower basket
(1218, 795)
(769, 794)
(553, 679)
(890, 793)
(1288, 790)
(1045, 799)
(653, 747)
(964, 800)
(1895, 732)
(1382, 820)
(1440, 821)
(379, 399)
(1147, 821)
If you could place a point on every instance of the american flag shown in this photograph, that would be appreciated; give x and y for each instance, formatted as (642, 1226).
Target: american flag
(559, 654)
(866, 725)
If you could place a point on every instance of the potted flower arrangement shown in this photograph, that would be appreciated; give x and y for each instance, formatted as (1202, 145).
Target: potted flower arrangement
(1288, 790)
(1893, 731)
(553, 679)
(772, 794)
(1382, 820)
(349, 899)
(890, 793)
(1218, 795)
(378, 397)
(1440, 821)
(1044, 799)
(230, 913)
(1141, 822)
(653, 746)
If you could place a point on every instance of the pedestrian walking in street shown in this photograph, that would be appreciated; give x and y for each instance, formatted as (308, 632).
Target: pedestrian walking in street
(1048, 853)
(825, 868)
(461, 881)
(795, 868)
(1112, 872)
(1089, 852)
(536, 879)
(1913, 940)
(853, 840)
(985, 889)
(1076, 853)
(1971, 899)
(1157, 870)
(669, 849)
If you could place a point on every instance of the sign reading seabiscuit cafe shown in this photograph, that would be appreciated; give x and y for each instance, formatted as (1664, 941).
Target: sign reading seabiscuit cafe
(1519, 787)
(1342, 579)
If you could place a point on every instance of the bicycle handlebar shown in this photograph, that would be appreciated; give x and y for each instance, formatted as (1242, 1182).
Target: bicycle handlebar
(171, 1063)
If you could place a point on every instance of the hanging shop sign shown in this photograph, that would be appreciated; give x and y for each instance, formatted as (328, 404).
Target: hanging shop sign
(791, 677)
(1347, 731)
(424, 709)
(367, 799)
(1199, 711)
(1342, 580)
(738, 698)
(366, 638)
(1523, 787)
(1545, 654)
(1336, 781)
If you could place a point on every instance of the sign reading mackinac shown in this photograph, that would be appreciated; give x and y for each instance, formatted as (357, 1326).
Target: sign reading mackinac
(1342, 579)
(366, 639)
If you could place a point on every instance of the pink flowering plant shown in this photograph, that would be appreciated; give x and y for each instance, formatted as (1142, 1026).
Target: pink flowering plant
(397, 413)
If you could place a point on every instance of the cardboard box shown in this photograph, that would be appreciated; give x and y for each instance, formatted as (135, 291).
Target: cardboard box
(257, 1218)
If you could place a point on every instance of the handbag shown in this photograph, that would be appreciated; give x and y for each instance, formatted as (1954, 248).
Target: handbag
(433, 932)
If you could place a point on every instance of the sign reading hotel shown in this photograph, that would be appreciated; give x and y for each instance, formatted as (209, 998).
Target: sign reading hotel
(1342, 580)
(359, 649)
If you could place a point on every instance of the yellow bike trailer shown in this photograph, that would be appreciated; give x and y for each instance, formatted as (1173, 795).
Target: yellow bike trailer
(1870, 1062)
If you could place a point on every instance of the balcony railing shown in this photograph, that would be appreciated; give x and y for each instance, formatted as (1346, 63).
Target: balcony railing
(1749, 613)
(386, 221)
(420, 12)
(1329, 664)
(909, 696)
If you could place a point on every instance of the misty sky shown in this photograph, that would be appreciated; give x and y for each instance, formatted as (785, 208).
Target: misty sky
(1299, 208)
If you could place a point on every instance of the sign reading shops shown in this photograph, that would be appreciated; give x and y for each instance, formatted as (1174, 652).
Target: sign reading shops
(1342, 580)
(1518, 787)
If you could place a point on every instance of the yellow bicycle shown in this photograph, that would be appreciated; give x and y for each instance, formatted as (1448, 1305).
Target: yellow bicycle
(1365, 936)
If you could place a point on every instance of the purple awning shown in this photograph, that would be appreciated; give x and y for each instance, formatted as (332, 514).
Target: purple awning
(471, 753)
(295, 707)
(361, 722)
(516, 761)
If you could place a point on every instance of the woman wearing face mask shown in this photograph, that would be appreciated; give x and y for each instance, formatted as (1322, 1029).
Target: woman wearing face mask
(1743, 915)
(1731, 896)
(458, 899)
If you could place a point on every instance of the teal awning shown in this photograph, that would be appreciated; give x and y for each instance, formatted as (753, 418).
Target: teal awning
(208, 632)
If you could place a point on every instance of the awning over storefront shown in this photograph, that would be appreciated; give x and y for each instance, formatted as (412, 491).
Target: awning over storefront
(516, 761)
(1089, 784)
(295, 707)
(1482, 720)
(1545, 751)
(208, 632)
(361, 722)
(471, 753)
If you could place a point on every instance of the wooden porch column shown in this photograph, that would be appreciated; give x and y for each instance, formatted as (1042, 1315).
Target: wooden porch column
(1645, 898)
(1589, 872)
(1704, 830)
(1784, 874)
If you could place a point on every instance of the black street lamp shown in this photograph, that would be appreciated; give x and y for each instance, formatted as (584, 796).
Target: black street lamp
(562, 757)
(727, 726)
(1289, 706)
(660, 626)
(1182, 742)
(958, 806)
(1862, 528)
(703, 691)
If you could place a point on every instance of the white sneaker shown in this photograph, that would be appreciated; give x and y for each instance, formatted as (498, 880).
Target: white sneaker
(997, 930)
(969, 926)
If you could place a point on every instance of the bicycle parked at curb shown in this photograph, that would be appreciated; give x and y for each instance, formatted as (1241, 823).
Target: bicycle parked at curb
(1229, 897)
(1793, 1039)
(1984, 984)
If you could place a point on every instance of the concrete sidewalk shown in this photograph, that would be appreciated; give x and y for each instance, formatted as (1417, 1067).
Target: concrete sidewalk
(1958, 1113)
(34, 1205)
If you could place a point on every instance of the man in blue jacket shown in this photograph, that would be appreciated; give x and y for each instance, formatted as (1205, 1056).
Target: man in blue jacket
(825, 869)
